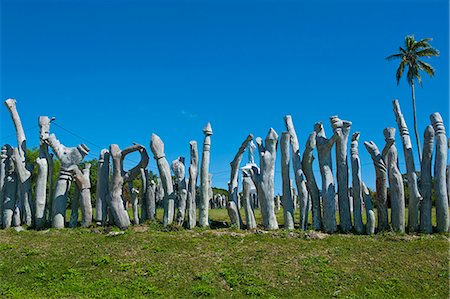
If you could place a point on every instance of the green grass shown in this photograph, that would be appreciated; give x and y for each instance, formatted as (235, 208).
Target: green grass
(151, 261)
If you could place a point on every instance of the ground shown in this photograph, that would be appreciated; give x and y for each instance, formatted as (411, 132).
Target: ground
(150, 261)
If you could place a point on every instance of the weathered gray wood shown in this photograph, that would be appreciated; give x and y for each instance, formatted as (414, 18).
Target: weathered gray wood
(324, 146)
(442, 220)
(311, 184)
(23, 173)
(380, 172)
(179, 173)
(151, 200)
(43, 162)
(249, 214)
(356, 184)
(68, 156)
(395, 181)
(414, 195)
(300, 180)
(342, 129)
(370, 215)
(426, 183)
(119, 177)
(144, 198)
(134, 202)
(203, 209)
(10, 189)
(263, 178)
(3, 161)
(157, 147)
(233, 185)
(193, 173)
(24, 188)
(102, 188)
(288, 203)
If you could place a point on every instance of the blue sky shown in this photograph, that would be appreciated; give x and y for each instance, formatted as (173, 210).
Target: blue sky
(118, 71)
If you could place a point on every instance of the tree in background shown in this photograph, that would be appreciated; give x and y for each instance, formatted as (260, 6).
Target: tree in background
(410, 58)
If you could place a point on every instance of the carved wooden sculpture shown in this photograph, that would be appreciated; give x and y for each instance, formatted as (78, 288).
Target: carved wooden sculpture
(23, 173)
(83, 184)
(119, 177)
(380, 172)
(233, 186)
(102, 188)
(178, 171)
(263, 178)
(193, 173)
(68, 157)
(249, 215)
(300, 180)
(73, 219)
(311, 184)
(157, 147)
(426, 184)
(151, 200)
(134, 202)
(395, 181)
(11, 215)
(414, 195)
(288, 203)
(342, 128)
(204, 178)
(45, 170)
(3, 161)
(324, 147)
(370, 215)
(442, 221)
(356, 184)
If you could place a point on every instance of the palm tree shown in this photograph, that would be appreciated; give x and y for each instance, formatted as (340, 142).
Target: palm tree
(410, 57)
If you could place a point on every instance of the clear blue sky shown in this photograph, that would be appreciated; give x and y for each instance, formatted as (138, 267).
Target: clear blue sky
(118, 71)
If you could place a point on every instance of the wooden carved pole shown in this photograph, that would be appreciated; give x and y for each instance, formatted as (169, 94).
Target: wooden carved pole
(11, 215)
(356, 184)
(45, 163)
(414, 195)
(324, 147)
(246, 188)
(370, 215)
(193, 173)
(342, 128)
(233, 186)
(144, 198)
(298, 172)
(102, 188)
(263, 178)
(179, 170)
(19, 158)
(3, 162)
(426, 183)
(395, 181)
(157, 147)
(203, 208)
(68, 156)
(288, 203)
(442, 221)
(311, 184)
(83, 184)
(380, 171)
(119, 177)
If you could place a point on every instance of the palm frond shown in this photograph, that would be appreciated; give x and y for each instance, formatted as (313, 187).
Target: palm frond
(427, 52)
(394, 56)
(403, 51)
(409, 42)
(412, 74)
(426, 67)
(423, 43)
(400, 69)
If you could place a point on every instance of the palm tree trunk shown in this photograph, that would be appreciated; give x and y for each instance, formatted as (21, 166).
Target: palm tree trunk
(416, 132)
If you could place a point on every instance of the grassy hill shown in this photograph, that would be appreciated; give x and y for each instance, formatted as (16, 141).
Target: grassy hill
(151, 261)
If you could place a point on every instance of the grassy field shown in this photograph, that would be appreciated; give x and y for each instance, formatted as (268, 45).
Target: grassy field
(151, 261)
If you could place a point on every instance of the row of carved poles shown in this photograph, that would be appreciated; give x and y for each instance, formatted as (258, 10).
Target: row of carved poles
(17, 206)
